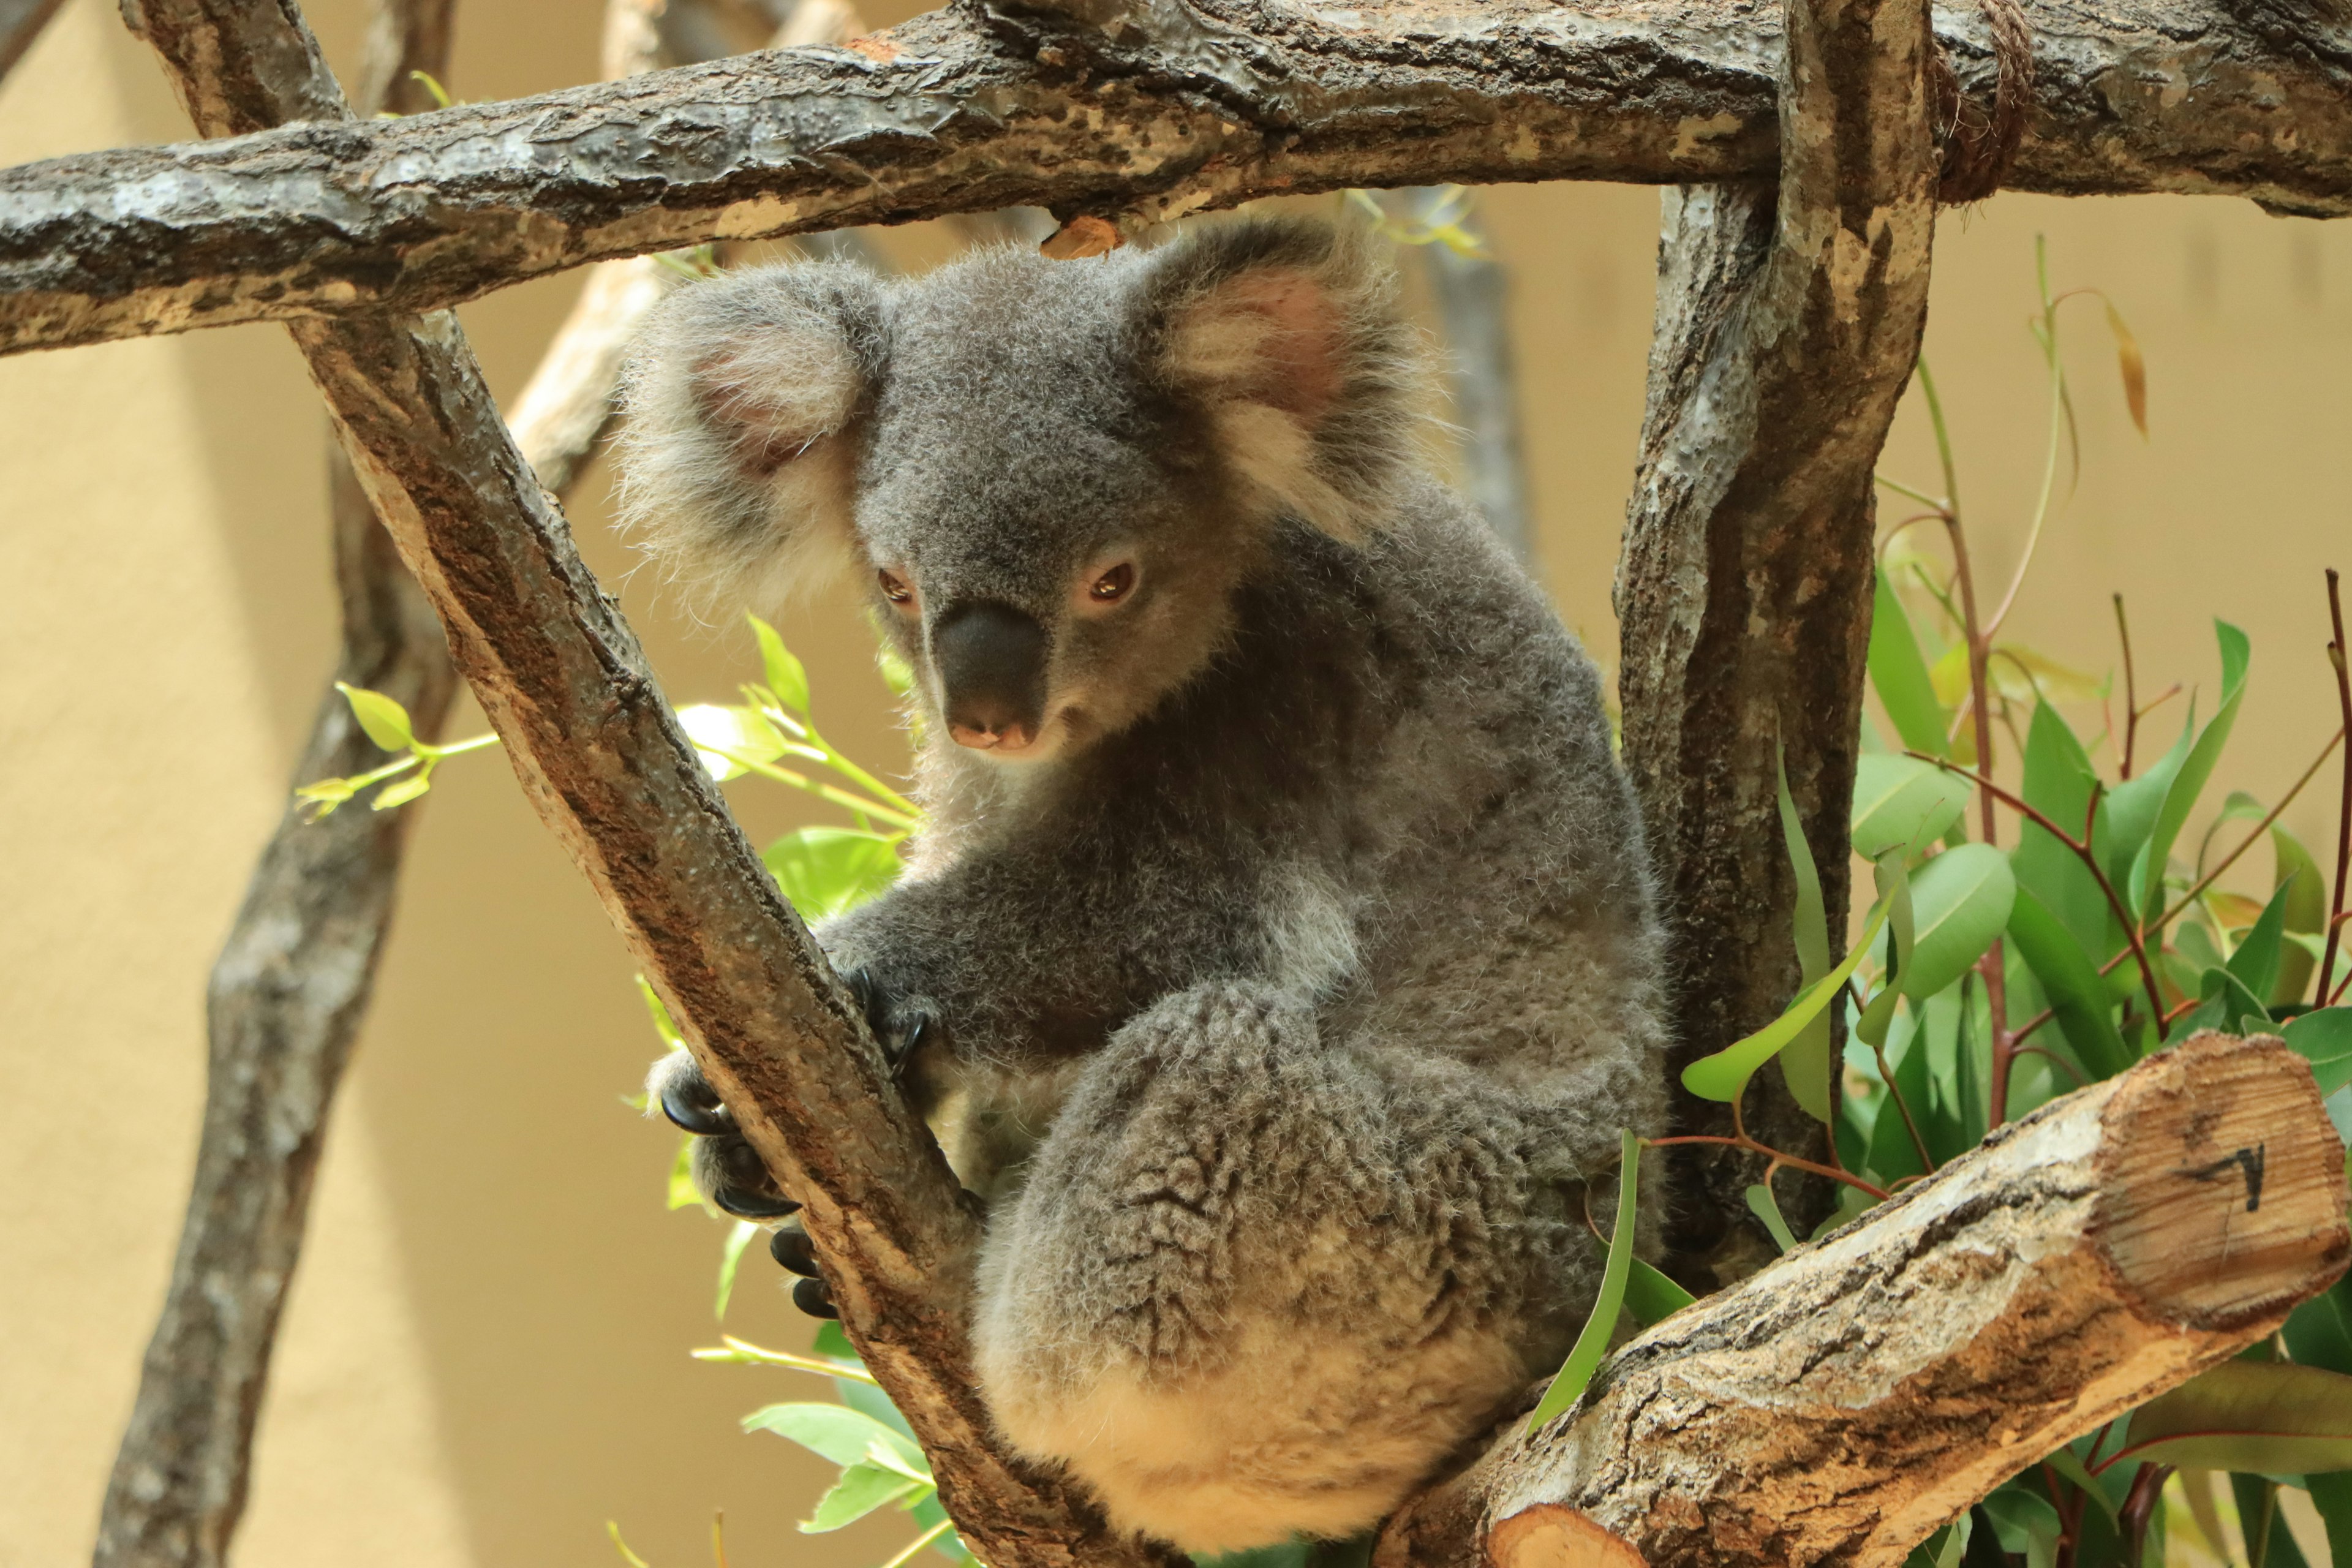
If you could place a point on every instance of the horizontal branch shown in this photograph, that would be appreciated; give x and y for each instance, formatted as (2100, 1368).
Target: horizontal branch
(1843, 1404)
(1147, 109)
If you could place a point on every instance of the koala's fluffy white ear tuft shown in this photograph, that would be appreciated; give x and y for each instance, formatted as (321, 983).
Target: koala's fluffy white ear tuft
(1286, 337)
(738, 456)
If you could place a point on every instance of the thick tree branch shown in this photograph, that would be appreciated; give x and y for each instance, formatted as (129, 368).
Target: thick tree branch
(1786, 331)
(1153, 108)
(602, 757)
(1842, 1405)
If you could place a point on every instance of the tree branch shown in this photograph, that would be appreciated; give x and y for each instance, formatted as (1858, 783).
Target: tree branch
(1154, 109)
(603, 758)
(1842, 1405)
(1786, 330)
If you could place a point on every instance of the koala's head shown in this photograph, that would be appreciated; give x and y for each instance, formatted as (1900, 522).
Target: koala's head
(1050, 477)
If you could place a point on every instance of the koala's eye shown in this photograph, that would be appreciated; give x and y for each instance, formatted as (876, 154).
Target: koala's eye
(895, 588)
(1112, 585)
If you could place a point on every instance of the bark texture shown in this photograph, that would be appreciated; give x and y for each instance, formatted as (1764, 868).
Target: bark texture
(1843, 1405)
(1787, 325)
(1144, 109)
(602, 757)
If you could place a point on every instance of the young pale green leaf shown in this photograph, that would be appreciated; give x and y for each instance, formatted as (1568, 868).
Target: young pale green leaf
(2306, 914)
(1962, 898)
(1767, 1209)
(897, 675)
(834, 1431)
(2180, 797)
(2058, 782)
(1902, 802)
(1593, 1343)
(1651, 1297)
(2256, 961)
(862, 1489)
(1722, 1077)
(663, 1026)
(1805, 1060)
(2260, 1418)
(741, 732)
(2324, 1038)
(2078, 997)
(1899, 674)
(682, 1193)
(730, 1256)
(384, 721)
(825, 871)
(399, 792)
(786, 677)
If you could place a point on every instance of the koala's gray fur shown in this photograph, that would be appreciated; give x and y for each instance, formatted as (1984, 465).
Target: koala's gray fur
(1285, 991)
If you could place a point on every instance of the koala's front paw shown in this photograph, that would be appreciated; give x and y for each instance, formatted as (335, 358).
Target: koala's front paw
(726, 1169)
(902, 1028)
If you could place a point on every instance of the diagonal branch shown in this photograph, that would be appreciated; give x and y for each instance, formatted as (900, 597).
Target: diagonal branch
(603, 758)
(975, 108)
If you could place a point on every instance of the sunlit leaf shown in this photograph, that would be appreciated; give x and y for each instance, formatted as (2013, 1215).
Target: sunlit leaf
(1805, 1060)
(2022, 675)
(2181, 795)
(399, 792)
(1651, 1297)
(2131, 366)
(825, 871)
(1902, 802)
(612, 1529)
(1722, 1076)
(1950, 677)
(2306, 912)
(729, 1257)
(682, 1193)
(834, 1431)
(2261, 1418)
(384, 721)
(862, 1489)
(1593, 1343)
(1962, 898)
(786, 677)
(2078, 997)
(1899, 674)
(897, 673)
(2324, 1038)
(2058, 782)
(739, 731)
(659, 1014)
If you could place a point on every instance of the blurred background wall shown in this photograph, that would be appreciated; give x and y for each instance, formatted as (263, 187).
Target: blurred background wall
(486, 1355)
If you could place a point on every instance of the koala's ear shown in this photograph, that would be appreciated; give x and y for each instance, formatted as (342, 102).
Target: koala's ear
(1285, 335)
(742, 396)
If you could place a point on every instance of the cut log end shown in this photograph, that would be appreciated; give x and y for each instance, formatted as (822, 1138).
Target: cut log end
(2222, 1188)
(1552, 1535)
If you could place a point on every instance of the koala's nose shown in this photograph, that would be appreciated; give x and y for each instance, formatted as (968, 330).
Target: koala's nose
(992, 663)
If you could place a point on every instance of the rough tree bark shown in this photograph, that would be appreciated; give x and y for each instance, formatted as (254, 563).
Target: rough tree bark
(602, 757)
(1155, 109)
(1787, 325)
(1841, 1406)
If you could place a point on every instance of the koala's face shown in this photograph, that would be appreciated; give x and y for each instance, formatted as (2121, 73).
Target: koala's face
(1049, 477)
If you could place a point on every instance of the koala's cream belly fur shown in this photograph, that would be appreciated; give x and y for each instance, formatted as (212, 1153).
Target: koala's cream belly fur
(1290, 1435)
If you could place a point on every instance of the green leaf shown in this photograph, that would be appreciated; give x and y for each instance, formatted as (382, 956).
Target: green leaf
(1766, 1208)
(2324, 1040)
(1962, 898)
(682, 1192)
(731, 1255)
(1651, 1297)
(1805, 1061)
(1892, 1153)
(2147, 866)
(2260, 1418)
(825, 871)
(1894, 880)
(1722, 1076)
(2256, 962)
(930, 1513)
(399, 792)
(2133, 806)
(2078, 996)
(663, 1026)
(743, 731)
(2331, 1494)
(1899, 674)
(2021, 1517)
(1902, 802)
(386, 721)
(2306, 913)
(786, 677)
(2069, 1463)
(897, 673)
(1593, 1343)
(862, 1489)
(2223, 1003)
(2057, 783)
(836, 1432)
(2319, 1332)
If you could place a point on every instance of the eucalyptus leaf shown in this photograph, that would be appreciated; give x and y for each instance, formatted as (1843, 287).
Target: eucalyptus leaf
(834, 1431)
(862, 1489)
(2058, 782)
(2133, 806)
(2223, 1003)
(1651, 1297)
(826, 872)
(1899, 674)
(2324, 1040)
(2259, 1417)
(786, 677)
(1805, 1060)
(2306, 914)
(399, 792)
(1767, 1209)
(2319, 1332)
(1722, 1076)
(2180, 794)
(730, 1256)
(384, 721)
(2078, 997)
(1593, 1342)
(2255, 964)
(1902, 802)
(1961, 900)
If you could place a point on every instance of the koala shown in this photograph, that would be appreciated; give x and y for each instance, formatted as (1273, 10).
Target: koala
(1278, 955)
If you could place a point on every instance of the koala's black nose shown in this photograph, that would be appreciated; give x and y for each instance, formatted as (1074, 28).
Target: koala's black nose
(992, 663)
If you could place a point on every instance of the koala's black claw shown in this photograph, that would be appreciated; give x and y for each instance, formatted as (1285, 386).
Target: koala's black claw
(694, 1107)
(868, 993)
(901, 1051)
(789, 1247)
(746, 1205)
(812, 1297)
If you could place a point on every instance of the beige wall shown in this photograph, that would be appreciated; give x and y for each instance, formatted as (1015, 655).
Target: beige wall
(485, 1355)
